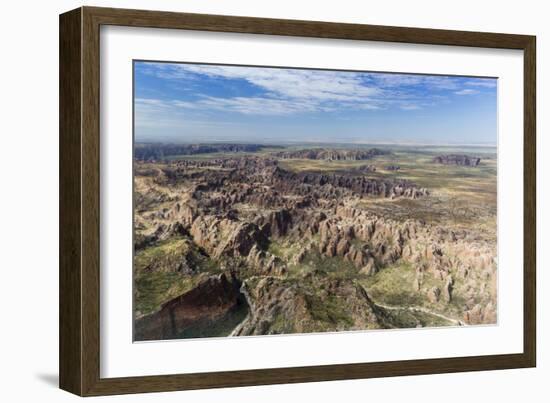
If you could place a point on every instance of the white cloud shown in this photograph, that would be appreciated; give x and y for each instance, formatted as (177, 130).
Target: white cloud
(483, 82)
(370, 107)
(285, 83)
(244, 105)
(410, 107)
(258, 105)
(467, 92)
(394, 80)
(291, 91)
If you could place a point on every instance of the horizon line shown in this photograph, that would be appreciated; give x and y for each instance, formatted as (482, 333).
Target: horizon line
(290, 142)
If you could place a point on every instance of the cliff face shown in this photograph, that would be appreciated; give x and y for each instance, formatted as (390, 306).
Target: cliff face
(215, 302)
(454, 159)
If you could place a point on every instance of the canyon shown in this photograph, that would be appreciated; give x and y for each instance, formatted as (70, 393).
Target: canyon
(238, 240)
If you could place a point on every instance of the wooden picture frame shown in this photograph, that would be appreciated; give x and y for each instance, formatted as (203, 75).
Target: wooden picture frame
(79, 346)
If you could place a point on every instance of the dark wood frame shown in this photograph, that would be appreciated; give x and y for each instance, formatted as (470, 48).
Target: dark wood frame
(79, 201)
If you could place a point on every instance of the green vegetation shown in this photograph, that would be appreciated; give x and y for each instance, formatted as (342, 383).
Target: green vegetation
(298, 165)
(155, 288)
(393, 286)
(406, 318)
(333, 267)
(167, 270)
(329, 311)
(281, 326)
(276, 248)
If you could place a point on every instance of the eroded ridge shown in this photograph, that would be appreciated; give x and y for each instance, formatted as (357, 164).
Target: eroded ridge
(248, 244)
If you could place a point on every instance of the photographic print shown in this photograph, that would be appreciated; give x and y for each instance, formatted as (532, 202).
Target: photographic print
(272, 200)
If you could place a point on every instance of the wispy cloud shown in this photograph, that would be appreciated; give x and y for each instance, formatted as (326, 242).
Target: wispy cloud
(284, 83)
(467, 92)
(243, 105)
(293, 91)
(406, 81)
(259, 105)
(482, 82)
(410, 107)
(193, 102)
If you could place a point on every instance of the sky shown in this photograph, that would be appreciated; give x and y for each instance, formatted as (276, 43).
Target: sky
(183, 102)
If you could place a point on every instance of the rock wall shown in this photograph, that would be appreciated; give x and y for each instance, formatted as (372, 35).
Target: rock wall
(213, 300)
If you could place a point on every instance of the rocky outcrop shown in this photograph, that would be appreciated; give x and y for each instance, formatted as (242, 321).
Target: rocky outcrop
(179, 255)
(264, 263)
(455, 159)
(158, 151)
(370, 268)
(277, 223)
(368, 242)
(365, 168)
(225, 237)
(448, 289)
(479, 314)
(434, 294)
(314, 304)
(262, 182)
(360, 185)
(331, 154)
(214, 300)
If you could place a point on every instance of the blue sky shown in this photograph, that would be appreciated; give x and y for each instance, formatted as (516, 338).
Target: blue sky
(182, 102)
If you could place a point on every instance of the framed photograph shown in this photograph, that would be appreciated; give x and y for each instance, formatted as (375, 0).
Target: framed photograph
(249, 201)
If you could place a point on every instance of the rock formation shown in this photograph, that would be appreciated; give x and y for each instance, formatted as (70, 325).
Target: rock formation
(290, 250)
(331, 154)
(454, 159)
(215, 299)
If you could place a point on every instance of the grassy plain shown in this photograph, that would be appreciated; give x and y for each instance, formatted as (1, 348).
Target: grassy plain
(460, 196)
